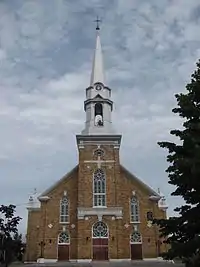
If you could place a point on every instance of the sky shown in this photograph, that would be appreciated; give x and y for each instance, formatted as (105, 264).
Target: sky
(150, 50)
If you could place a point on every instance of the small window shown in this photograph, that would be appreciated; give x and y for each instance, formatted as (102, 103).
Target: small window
(135, 238)
(63, 238)
(99, 152)
(149, 216)
(99, 230)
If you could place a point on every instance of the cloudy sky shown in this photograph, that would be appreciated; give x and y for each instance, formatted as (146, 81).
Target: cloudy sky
(46, 49)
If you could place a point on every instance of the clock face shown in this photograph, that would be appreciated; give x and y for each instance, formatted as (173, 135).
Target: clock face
(98, 87)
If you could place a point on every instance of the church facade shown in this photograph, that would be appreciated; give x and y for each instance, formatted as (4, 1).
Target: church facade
(99, 210)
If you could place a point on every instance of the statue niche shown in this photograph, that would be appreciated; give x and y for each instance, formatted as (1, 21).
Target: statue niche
(98, 114)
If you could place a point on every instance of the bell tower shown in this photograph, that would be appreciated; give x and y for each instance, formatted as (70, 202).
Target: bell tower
(98, 146)
(98, 104)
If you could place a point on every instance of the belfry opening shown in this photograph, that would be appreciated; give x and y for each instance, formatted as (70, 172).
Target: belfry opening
(98, 113)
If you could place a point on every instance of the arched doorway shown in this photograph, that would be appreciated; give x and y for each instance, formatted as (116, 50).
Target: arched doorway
(100, 241)
(63, 246)
(136, 246)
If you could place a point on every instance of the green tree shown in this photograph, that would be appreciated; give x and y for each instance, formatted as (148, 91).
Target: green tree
(8, 228)
(18, 246)
(183, 232)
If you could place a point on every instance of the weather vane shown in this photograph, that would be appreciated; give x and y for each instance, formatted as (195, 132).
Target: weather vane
(98, 21)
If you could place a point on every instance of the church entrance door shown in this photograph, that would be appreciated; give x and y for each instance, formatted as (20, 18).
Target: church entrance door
(63, 246)
(63, 252)
(100, 249)
(136, 246)
(136, 252)
(100, 241)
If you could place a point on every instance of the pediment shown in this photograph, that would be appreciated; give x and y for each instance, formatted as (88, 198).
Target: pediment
(98, 96)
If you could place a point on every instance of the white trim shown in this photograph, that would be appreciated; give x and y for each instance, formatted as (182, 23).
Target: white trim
(99, 161)
(119, 260)
(112, 211)
(40, 260)
(46, 260)
(84, 260)
(157, 259)
(43, 198)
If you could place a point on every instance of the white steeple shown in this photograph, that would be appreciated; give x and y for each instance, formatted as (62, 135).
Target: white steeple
(97, 74)
(98, 104)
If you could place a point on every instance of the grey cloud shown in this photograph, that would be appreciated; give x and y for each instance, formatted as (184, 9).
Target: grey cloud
(150, 49)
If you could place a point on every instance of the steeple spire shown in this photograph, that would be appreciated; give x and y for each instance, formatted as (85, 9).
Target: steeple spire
(97, 74)
(98, 104)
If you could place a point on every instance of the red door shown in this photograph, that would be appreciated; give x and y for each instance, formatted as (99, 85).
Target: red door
(100, 249)
(136, 251)
(63, 252)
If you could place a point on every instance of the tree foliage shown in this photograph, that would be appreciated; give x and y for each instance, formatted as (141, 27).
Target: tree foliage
(183, 232)
(9, 237)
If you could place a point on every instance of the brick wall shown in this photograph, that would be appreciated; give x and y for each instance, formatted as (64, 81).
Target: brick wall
(79, 184)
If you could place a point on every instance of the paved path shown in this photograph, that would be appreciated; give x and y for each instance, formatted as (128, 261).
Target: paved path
(102, 264)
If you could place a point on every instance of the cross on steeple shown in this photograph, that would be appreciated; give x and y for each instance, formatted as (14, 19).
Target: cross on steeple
(98, 21)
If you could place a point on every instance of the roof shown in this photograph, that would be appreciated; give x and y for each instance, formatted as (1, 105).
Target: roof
(129, 175)
(66, 176)
(97, 74)
(144, 185)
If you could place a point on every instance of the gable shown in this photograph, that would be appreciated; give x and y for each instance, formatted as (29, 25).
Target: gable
(98, 96)
(63, 179)
(127, 174)
(143, 185)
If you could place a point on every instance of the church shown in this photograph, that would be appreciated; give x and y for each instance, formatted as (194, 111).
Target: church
(98, 210)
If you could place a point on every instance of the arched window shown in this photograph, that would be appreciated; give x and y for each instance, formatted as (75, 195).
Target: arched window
(100, 230)
(134, 210)
(98, 114)
(63, 238)
(135, 238)
(64, 210)
(98, 109)
(99, 188)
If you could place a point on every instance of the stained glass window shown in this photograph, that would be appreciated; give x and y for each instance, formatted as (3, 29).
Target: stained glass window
(100, 229)
(63, 238)
(64, 210)
(99, 188)
(134, 209)
(135, 238)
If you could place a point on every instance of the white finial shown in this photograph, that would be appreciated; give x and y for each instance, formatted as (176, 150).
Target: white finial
(133, 193)
(97, 68)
